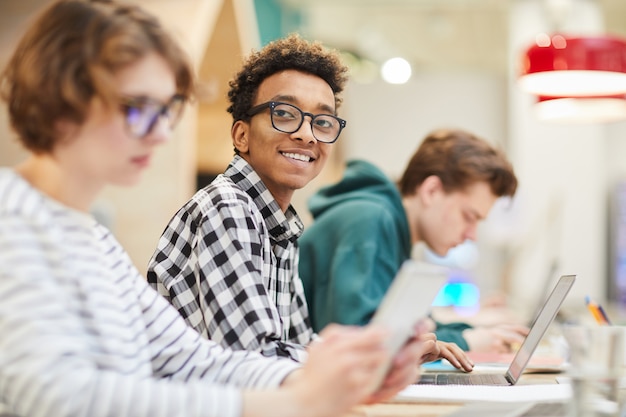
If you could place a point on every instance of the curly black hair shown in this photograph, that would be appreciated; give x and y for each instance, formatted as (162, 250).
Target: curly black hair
(291, 52)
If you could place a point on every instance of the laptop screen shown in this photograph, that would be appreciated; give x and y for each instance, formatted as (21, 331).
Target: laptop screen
(543, 321)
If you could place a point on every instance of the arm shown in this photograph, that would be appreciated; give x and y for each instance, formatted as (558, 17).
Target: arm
(358, 282)
(180, 353)
(364, 266)
(337, 375)
(341, 253)
(70, 340)
(504, 338)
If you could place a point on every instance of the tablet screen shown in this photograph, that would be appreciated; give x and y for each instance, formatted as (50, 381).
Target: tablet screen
(408, 300)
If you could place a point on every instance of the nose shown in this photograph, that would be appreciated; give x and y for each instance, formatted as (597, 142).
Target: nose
(161, 131)
(470, 232)
(305, 132)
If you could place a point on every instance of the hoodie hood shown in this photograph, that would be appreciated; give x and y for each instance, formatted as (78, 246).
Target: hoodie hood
(361, 181)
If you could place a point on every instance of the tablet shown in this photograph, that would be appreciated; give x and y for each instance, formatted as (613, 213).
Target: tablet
(407, 301)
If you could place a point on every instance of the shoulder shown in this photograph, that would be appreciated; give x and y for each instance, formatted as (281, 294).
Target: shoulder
(220, 198)
(221, 192)
(360, 212)
(19, 200)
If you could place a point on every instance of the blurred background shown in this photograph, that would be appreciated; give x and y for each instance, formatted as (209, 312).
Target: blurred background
(460, 66)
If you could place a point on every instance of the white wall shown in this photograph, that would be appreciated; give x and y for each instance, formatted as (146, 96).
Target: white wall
(386, 123)
(563, 167)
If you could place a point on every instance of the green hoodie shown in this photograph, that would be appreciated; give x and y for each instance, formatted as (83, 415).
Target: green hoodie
(354, 248)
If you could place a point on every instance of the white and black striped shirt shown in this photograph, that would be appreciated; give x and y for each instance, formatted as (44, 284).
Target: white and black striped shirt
(82, 334)
(228, 261)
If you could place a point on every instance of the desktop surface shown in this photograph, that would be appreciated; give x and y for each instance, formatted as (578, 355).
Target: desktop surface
(395, 408)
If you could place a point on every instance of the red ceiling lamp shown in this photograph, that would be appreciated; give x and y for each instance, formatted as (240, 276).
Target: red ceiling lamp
(569, 66)
(597, 109)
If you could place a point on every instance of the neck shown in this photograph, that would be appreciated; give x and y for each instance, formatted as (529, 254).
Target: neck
(411, 208)
(46, 174)
(283, 201)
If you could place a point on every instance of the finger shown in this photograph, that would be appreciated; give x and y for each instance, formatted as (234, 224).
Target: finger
(331, 331)
(429, 351)
(401, 376)
(410, 353)
(448, 354)
(500, 347)
(515, 328)
(427, 336)
(457, 357)
(511, 338)
(384, 394)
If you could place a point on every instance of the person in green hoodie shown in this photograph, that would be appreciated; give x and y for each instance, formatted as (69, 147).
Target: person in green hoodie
(366, 225)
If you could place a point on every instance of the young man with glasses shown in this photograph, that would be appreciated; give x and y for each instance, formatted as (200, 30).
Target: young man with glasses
(228, 259)
(365, 227)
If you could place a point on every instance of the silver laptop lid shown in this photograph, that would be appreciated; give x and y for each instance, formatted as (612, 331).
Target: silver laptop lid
(542, 322)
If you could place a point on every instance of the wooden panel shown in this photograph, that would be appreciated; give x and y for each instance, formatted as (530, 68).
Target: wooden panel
(222, 59)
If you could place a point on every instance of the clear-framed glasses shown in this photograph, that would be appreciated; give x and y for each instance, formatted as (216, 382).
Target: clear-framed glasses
(142, 113)
(287, 118)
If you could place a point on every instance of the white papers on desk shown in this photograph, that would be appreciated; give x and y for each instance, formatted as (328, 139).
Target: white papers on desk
(566, 380)
(465, 393)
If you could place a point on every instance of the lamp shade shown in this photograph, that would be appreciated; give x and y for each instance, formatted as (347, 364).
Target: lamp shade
(562, 66)
(581, 109)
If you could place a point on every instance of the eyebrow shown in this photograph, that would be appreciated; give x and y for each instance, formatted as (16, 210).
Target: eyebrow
(476, 214)
(293, 99)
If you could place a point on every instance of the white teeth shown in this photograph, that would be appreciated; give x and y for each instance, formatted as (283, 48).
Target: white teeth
(297, 156)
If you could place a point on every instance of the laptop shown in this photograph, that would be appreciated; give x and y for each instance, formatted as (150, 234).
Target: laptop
(522, 357)
(407, 301)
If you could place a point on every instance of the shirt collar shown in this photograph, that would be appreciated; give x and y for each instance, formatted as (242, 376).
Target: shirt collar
(282, 226)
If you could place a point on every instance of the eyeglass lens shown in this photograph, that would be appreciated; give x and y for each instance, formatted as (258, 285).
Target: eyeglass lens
(143, 113)
(288, 118)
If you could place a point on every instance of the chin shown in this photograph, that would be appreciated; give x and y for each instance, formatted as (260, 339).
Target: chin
(442, 251)
(127, 181)
(298, 183)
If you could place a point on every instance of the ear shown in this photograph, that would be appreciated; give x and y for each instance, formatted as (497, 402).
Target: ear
(429, 189)
(239, 133)
(65, 129)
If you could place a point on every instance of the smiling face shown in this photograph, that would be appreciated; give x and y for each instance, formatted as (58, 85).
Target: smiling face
(102, 150)
(286, 162)
(447, 219)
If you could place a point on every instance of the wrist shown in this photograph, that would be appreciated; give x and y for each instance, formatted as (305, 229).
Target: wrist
(295, 397)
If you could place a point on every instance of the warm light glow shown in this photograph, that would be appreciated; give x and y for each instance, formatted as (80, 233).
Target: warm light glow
(559, 42)
(582, 110)
(396, 71)
(574, 83)
(542, 39)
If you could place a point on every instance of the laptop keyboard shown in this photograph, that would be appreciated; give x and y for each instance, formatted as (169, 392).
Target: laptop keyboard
(463, 379)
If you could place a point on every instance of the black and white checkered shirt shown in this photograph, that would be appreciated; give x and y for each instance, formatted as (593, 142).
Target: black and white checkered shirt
(228, 262)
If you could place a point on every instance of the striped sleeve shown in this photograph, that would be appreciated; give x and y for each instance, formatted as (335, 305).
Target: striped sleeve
(181, 353)
(53, 363)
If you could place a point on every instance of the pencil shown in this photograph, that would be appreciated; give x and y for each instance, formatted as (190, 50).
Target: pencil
(597, 311)
(603, 314)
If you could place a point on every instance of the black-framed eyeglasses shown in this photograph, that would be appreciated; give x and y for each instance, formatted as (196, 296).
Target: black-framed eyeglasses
(142, 113)
(288, 118)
